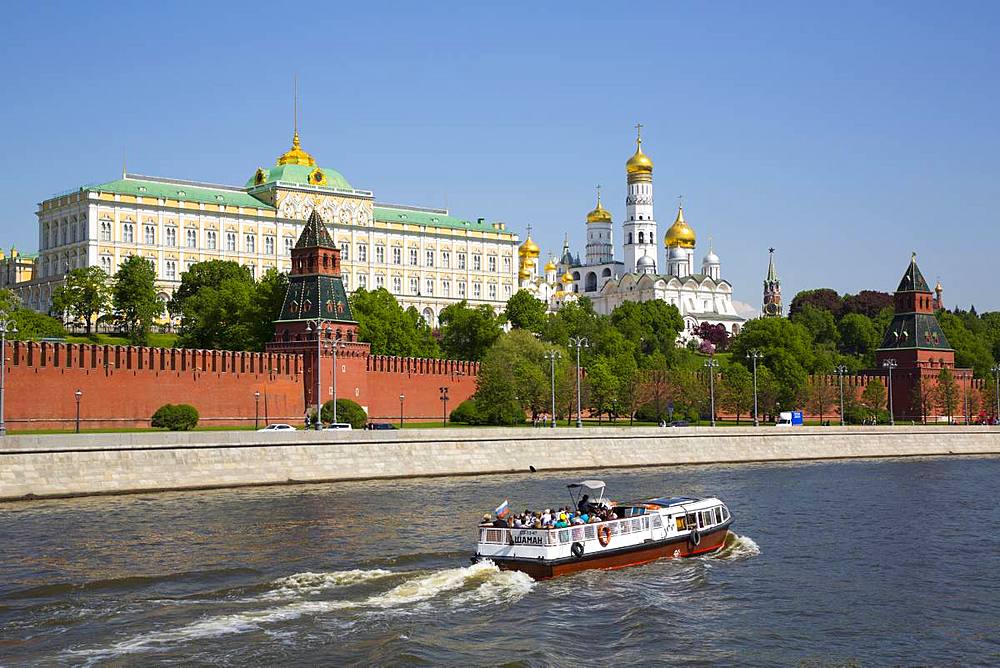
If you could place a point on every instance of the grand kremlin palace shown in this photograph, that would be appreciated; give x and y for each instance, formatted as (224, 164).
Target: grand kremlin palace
(425, 257)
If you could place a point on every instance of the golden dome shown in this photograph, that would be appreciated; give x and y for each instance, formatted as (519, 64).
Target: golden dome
(599, 214)
(529, 248)
(550, 265)
(524, 274)
(680, 233)
(567, 278)
(639, 163)
(295, 155)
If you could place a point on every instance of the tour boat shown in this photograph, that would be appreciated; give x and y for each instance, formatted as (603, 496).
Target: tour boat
(642, 531)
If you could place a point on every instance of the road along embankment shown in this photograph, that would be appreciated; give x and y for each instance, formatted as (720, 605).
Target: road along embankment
(90, 464)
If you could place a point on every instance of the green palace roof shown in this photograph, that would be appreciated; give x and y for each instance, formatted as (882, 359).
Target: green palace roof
(390, 214)
(140, 187)
(305, 175)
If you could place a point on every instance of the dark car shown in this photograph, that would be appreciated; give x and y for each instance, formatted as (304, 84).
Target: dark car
(381, 425)
(680, 423)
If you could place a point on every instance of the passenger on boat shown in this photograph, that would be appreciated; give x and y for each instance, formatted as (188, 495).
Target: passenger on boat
(584, 506)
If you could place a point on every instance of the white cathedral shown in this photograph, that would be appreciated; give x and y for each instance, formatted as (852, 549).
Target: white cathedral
(699, 296)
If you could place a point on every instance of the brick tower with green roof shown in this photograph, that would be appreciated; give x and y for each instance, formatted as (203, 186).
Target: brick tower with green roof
(316, 296)
(915, 340)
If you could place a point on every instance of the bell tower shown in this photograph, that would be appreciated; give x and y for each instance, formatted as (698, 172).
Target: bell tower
(639, 226)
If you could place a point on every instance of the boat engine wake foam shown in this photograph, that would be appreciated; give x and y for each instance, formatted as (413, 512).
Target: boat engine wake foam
(481, 583)
(738, 548)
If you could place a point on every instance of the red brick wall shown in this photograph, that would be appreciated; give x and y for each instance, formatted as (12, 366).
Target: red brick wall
(123, 385)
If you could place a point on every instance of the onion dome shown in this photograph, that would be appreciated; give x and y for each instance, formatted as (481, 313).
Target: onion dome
(296, 155)
(639, 166)
(645, 263)
(529, 249)
(524, 273)
(550, 265)
(711, 258)
(680, 233)
(567, 278)
(677, 253)
(599, 214)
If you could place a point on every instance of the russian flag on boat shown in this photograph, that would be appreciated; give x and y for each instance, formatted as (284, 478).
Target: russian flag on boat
(502, 509)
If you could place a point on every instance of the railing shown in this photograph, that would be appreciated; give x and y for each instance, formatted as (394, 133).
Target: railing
(572, 534)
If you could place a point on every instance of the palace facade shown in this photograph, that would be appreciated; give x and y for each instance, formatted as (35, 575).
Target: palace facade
(425, 257)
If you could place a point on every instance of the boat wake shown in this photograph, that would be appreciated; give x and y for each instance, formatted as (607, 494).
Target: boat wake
(738, 548)
(480, 584)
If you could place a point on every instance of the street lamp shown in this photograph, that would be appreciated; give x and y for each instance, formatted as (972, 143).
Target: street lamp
(841, 370)
(444, 402)
(336, 343)
(578, 342)
(78, 394)
(401, 397)
(711, 365)
(996, 372)
(256, 410)
(754, 356)
(6, 327)
(317, 326)
(552, 356)
(890, 364)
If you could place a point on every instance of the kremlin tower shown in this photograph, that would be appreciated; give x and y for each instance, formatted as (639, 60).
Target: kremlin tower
(640, 226)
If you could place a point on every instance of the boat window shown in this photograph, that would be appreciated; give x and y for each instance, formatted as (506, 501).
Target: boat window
(681, 524)
(725, 513)
(718, 516)
(692, 520)
(657, 521)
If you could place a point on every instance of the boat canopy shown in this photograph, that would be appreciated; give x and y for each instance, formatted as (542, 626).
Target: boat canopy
(595, 486)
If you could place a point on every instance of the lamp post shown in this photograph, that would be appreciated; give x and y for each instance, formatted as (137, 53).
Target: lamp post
(754, 356)
(841, 370)
(552, 356)
(336, 343)
(965, 387)
(317, 326)
(578, 342)
(890, 364)
(256, 410)
(996, 372)
(711, 365)
(78, 394)
(401, 397)
(444, 402)
(6, 327)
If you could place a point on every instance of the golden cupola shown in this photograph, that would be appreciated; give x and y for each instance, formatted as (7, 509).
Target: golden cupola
(639, 167)
(296, 155)
(599, 214)
(550, 265)
(567, 278)
(529, 249)
(680, 234)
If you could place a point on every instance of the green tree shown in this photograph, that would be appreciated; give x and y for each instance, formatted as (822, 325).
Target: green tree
(468, 332)
(134, 301)
(513, 379)
(858, 336)
(821, 298)
(215, 301)
(32, 325)
(989, 397)
(946, 393)
(347, 411)
(971, 350)
(390, 329)
(650, 326)
(84, 294)
(873, 399)
(269, 296)
(736, 391)
(788, 353)
(604, 386)
(175, 417)
(525, 311)
(820, 396)
(819, 322)
(923, 399)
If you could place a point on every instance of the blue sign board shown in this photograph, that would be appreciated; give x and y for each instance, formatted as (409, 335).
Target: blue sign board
(796, 417)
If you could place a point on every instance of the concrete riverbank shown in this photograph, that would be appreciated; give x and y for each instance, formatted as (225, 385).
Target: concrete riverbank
(91, 464)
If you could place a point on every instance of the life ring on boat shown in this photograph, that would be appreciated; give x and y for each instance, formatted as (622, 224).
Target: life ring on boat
(695, 537)
(577, 550)
(604, 535)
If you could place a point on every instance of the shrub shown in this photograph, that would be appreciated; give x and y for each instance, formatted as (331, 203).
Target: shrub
(467, 412)
(347, 411)
(175, 417)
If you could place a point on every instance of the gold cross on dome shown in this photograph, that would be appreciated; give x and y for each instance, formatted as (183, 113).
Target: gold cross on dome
(638, 131)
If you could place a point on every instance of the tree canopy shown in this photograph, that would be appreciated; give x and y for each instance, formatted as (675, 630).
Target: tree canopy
(389, 329)
(84, 294)
(468, 332)
(525, 311)
(135, 305)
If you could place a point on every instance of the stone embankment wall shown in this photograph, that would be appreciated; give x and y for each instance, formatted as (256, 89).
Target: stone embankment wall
(67, 465)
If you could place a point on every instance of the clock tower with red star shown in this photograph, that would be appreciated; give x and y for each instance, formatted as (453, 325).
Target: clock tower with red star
(772, 290)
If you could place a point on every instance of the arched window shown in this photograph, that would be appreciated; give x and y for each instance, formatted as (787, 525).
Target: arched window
(642, 237)
(606, 273)
(630, 237)
(591, 284)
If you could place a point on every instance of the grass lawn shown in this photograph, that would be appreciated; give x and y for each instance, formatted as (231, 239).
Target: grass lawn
(113, 430)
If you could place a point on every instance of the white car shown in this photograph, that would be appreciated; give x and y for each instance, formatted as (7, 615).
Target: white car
(337, 426)
(278, 427)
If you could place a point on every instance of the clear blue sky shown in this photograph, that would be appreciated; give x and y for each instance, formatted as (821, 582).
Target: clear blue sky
(844, 134)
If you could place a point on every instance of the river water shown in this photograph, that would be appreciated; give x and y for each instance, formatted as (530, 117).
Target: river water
(888, 562)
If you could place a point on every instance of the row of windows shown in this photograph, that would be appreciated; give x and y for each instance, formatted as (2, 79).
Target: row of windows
(430, 257)
(191, 238)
